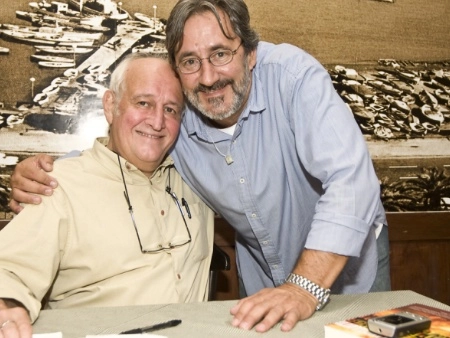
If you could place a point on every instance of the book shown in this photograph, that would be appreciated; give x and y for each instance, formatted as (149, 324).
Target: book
(357, 327)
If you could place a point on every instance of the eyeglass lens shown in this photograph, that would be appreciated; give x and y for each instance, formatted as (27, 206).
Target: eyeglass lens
(220, 57)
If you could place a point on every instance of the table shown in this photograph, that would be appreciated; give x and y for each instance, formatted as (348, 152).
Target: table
(212, 319)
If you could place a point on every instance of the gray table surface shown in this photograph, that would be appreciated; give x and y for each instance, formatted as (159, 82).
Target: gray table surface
(212, 319)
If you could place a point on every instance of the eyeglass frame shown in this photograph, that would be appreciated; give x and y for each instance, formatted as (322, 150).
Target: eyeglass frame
(177, 202)
(200, 60)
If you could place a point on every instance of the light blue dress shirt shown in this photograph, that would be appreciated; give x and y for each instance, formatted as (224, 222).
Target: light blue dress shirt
(301, 175)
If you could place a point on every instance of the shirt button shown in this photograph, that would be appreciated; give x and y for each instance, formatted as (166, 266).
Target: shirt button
(242, 180)
(162, 212)
(128, 166)
(275, 266)
(253, 215)
(265, 242)
(178, 276)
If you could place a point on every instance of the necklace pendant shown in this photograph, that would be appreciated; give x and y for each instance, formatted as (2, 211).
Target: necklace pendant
(229, 159)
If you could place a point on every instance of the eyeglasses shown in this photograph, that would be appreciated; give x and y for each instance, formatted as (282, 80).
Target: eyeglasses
(220, 57)
(169, 245)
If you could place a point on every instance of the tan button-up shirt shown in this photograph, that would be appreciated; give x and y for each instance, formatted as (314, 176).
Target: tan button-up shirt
(80, 248)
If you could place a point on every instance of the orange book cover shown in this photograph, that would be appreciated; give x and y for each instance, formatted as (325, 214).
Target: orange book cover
(357, 327)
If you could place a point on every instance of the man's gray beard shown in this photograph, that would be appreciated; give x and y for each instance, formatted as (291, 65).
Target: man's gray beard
(240, 90)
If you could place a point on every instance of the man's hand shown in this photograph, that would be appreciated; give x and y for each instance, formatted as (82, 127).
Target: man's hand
(287, 303)
(14, 320)
(29, 178)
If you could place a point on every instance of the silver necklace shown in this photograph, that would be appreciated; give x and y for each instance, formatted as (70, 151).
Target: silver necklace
(228, 157)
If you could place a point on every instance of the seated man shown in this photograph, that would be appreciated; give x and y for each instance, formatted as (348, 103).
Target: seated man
(122, 228)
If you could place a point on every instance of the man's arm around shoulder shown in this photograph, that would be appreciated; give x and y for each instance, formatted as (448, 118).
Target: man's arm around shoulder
(30, 179)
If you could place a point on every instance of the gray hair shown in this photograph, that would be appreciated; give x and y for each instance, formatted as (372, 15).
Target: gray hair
(236, 10)
(117, 83)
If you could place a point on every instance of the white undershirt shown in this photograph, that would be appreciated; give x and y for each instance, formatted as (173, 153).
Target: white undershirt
(229, 130)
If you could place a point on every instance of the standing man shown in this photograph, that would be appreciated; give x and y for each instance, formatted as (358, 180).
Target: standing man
(117, 230)
(267, 142)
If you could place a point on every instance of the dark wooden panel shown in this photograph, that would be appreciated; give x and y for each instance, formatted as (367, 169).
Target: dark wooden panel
(3, 223)
(413, 226)
(422, 266)
(420, 253)
(227, 281)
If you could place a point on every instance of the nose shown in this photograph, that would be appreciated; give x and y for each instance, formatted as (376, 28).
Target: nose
(208, 73)
(156, 119)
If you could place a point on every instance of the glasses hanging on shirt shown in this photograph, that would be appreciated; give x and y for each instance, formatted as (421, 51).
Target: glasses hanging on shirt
(170, 244)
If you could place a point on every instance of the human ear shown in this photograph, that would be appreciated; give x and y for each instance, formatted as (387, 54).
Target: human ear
(108, 105)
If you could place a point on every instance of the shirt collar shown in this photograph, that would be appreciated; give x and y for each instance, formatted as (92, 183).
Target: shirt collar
(109, 159)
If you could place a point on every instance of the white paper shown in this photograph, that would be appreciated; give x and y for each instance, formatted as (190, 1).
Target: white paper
(48, 335)
(60, 335)
(146, 335)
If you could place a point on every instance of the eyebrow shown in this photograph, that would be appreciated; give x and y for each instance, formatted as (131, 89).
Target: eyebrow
(138, 97)
(211, 49)
(152, 96)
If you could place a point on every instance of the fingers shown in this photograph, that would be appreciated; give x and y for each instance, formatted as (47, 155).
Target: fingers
(29, 180)
(19, 196)
(249, 311)
(15, 206)
(45, 162)
(25, 328)
(9, 329)
(15, 330)
(261, 311)
(289, 322)
(18, 324)
(287, 303)
(34, 170)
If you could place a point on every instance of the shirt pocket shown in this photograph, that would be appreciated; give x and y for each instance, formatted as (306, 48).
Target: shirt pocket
(201, 227)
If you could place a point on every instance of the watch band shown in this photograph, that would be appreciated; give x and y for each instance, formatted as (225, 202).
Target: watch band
(322, 295)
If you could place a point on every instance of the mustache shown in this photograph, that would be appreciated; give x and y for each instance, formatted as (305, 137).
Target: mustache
(216, 86)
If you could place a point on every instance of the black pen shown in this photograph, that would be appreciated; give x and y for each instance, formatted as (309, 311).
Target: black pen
(185, 204)
(160, 326)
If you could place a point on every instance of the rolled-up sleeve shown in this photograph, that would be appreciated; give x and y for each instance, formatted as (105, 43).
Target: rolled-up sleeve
(333, 150)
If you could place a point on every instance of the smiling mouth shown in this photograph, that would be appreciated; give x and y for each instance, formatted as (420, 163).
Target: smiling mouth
(148, 135)
(213, 93)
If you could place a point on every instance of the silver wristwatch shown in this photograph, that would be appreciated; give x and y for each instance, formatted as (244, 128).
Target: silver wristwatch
(322, 295)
